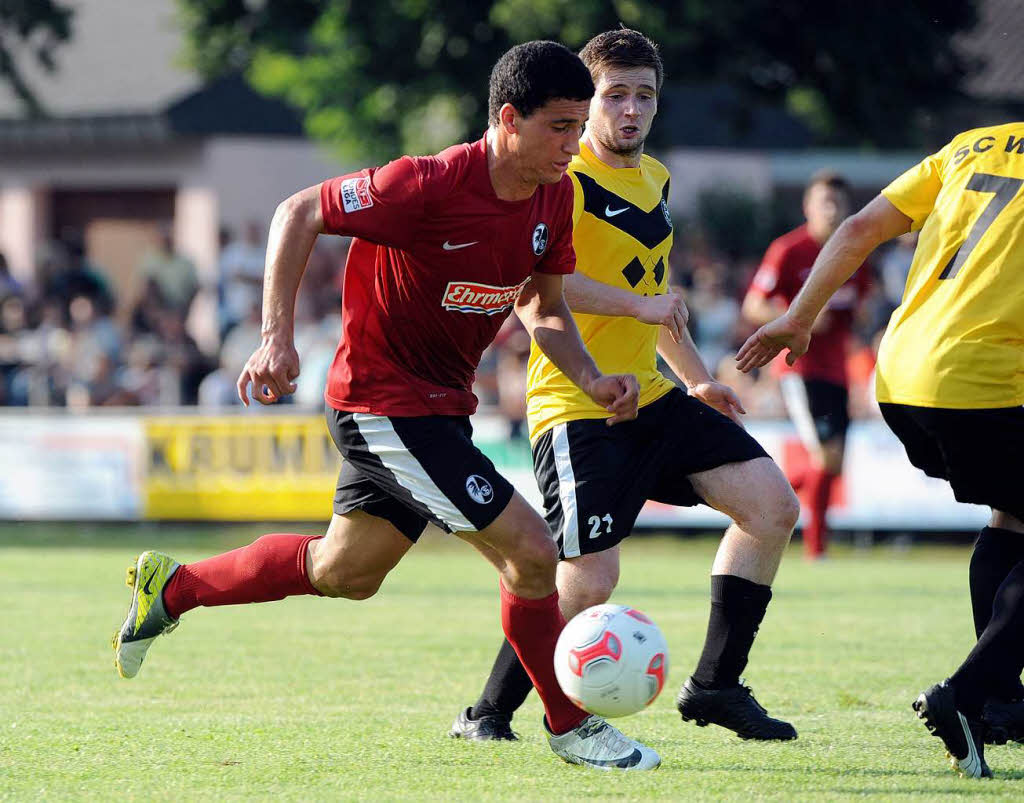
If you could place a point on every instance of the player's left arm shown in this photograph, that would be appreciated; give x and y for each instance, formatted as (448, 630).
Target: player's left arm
(844, 252)
(685, 361)
(590, 296)
(543, 311)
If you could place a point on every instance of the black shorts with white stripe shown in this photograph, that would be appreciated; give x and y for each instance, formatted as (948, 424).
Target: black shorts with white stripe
(416, 470)
(596, 478)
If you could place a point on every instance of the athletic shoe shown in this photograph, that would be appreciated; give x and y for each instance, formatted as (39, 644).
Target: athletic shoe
(734, 709)
(1003, 721)
(147, 618)
(493, 728)
(962, 737)
(600, 746)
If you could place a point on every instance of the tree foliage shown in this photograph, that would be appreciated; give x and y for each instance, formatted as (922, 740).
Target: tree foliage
(35, 28)
(393, 76)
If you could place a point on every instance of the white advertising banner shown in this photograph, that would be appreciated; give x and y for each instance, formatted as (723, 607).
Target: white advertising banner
(71, 467)
(82, 467)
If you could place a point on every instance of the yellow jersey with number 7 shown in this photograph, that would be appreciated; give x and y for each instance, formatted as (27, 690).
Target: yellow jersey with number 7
(957, 338)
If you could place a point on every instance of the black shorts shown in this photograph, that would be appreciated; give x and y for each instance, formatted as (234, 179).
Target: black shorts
(818, 409)
(595, 478)
(415, 470)
(979, 452)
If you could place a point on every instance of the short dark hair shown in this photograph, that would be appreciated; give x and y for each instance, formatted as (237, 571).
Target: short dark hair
(828, 178)
(531, 74)
(622, 47)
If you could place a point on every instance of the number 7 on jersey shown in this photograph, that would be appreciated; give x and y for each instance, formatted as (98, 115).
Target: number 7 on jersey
(1004, 190)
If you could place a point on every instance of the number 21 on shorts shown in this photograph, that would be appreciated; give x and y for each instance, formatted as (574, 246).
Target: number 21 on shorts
(595, 523)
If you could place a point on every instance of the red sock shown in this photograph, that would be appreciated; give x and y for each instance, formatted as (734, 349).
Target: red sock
(817, 492)
(532, 627)
(272, 567)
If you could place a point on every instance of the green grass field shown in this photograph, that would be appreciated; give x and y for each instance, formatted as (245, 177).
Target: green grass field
(312, 699)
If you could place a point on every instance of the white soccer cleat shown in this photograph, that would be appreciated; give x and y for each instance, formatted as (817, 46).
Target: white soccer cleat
(601, 746)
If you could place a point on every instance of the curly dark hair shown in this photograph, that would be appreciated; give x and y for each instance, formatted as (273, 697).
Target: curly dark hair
(531, 74)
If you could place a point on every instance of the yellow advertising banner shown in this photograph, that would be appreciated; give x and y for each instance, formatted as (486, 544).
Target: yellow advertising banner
(242, 468)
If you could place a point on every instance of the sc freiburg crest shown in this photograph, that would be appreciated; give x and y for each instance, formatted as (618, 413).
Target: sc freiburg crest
(540, 238)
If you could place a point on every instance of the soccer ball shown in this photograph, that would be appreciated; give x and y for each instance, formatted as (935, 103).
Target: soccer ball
(611, 660)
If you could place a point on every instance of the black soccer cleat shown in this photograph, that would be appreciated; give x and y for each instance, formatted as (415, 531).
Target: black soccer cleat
(965, 745)
(734, 709)
(1003, 721)
(494, 728)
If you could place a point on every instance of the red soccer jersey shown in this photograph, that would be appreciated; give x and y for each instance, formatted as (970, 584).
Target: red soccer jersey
(436, 267)
(783, 271)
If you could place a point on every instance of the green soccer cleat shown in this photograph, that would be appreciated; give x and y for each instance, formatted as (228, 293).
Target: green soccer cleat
(147, 618)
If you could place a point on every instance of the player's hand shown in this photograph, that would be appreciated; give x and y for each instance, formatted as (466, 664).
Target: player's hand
(668, 310)
(762, 346)
(722, 397)
(619, 394)
(271, 370)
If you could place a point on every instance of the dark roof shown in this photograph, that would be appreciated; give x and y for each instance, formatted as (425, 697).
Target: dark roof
(230, 106)
(226, 106)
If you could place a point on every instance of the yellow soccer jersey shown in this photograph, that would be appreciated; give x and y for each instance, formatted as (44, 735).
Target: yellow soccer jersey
(622, 234)
(957, 338)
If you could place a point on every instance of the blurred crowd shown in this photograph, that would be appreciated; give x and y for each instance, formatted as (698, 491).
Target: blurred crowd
(67, 339)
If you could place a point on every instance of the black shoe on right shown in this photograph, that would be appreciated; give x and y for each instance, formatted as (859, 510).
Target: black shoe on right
(962, 737)
(1003, 721)
(486, 729)
(733, 708)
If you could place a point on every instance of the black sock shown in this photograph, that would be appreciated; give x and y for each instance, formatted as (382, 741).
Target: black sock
(997, 658)
(737, 608)
(507, 687)
(996, 552)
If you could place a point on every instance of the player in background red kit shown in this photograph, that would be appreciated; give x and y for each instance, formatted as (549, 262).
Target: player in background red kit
(815, 389)
(445, 247)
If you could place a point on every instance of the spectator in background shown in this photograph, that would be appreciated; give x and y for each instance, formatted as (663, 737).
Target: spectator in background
(183, 363)
(815, 388)
(9, 286)
(90, 360)
(148, 310)
(172, 273)
(714, 314)
(241, 275)
(66, 273)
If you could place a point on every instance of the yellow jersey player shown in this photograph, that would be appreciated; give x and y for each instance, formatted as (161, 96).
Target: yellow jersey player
(950, 382)
(681, 450)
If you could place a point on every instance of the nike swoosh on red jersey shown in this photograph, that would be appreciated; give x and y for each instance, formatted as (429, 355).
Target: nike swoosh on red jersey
(456, 246)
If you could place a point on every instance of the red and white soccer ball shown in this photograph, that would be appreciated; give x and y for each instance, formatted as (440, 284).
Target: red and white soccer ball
(611, 660)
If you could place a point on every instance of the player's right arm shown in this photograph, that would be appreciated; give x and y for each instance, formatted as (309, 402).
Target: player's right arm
(273, 367)
(590, 296)
(381, 205)
(844, 252)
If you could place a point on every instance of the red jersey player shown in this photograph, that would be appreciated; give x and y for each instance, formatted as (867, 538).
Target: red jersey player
(815, 388)
(445, 247)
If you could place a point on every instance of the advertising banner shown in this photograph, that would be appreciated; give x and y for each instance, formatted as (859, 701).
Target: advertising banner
(239, 468)
(283, 466)
(71, 467)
